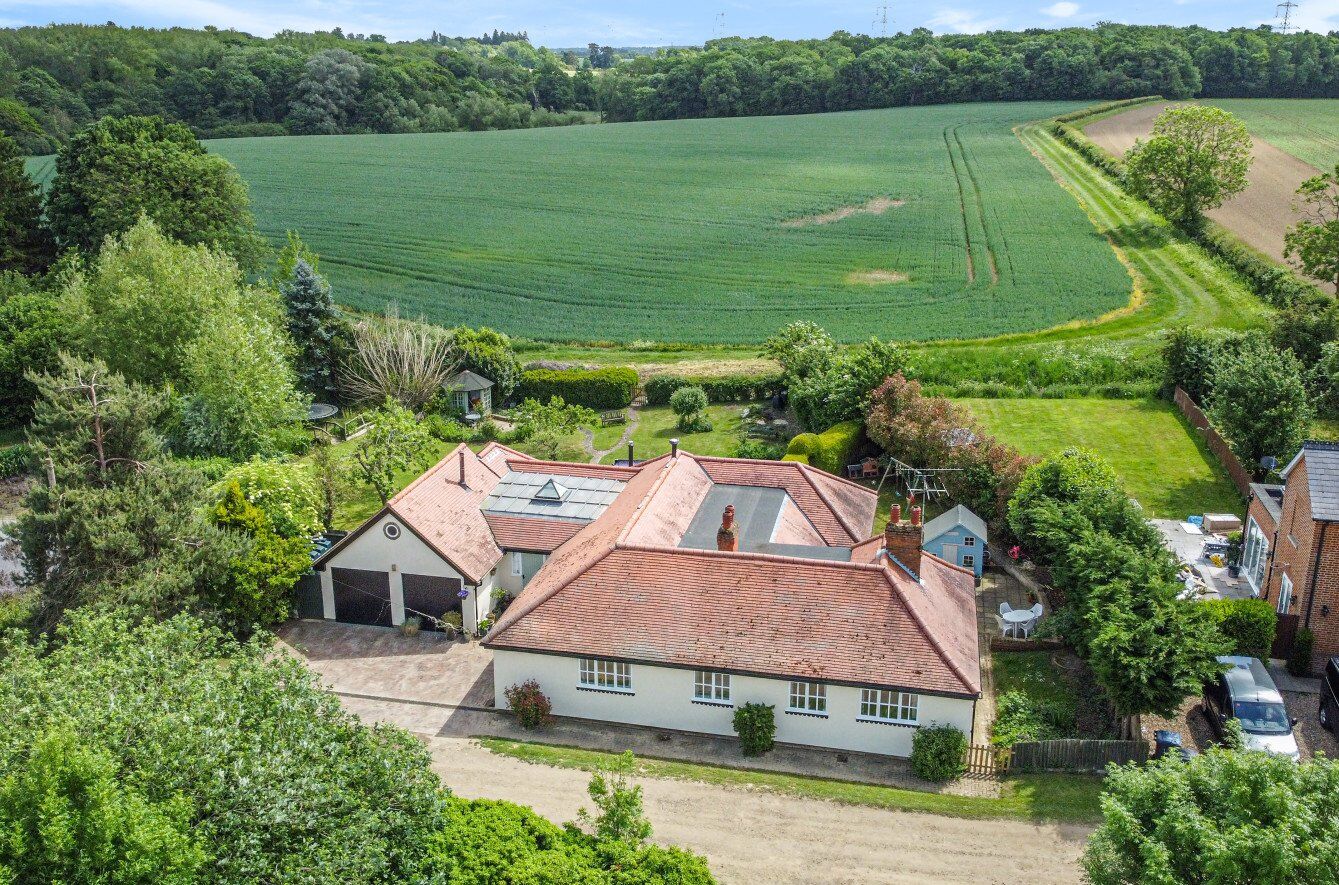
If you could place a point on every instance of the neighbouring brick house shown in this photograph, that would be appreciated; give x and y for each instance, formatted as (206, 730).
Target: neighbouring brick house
(1291, 547)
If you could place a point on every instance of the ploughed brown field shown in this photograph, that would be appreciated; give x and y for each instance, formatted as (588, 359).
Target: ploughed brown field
(1259, 215)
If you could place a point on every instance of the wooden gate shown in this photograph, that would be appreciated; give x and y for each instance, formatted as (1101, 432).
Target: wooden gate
(987, 761)
(1284, 636)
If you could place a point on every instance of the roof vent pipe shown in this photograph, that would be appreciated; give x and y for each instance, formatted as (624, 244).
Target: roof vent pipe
(631, 461)
(674, 447)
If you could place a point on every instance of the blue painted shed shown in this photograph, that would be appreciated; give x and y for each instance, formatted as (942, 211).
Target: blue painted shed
(958, 536)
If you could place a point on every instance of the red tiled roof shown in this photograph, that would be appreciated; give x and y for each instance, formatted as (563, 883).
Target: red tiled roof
(621, 589)
(531, 534)
(446, 515)
(527, 464)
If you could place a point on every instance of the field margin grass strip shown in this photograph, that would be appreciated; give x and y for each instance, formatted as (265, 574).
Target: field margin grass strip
(1055, 798)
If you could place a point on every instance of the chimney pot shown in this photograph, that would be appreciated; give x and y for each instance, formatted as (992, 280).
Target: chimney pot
(902, 540)
(463, 483)
(915, 516)
(726, 537)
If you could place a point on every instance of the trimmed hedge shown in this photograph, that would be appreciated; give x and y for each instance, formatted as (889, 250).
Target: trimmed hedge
(939, 753)
(719, 388)
(830, 450)
(1248, 623)
(612, 387)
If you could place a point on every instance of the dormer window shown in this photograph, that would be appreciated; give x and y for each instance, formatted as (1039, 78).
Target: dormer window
(551, 493)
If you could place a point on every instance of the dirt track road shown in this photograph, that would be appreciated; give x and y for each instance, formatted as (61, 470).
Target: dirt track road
(756, 836)
(1260, 214)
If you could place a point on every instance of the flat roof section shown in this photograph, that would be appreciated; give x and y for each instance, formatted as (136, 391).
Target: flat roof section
(757, 514)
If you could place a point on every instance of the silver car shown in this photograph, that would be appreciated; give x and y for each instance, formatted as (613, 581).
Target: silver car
(1246, 692)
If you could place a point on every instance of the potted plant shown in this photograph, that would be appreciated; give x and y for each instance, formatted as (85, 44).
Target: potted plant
(411, 625)
(1234, 554)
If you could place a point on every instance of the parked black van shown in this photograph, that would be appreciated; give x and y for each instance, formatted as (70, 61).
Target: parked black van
(1329, 696)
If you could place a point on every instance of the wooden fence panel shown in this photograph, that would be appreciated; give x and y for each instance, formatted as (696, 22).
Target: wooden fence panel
(1241, 477)
(987, 761)
(1075, 755)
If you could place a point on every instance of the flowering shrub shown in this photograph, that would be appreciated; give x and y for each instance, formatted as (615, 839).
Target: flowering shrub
(531, 706)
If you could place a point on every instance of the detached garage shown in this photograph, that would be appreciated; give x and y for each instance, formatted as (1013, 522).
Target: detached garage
(386, 571)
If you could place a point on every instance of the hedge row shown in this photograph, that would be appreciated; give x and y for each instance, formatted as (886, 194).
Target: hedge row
(611, 387)
(719, 388)
(1103, 108)
(1271, 282)
(830, 450)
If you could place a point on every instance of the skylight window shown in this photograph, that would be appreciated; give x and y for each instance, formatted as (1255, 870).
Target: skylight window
(551, 492)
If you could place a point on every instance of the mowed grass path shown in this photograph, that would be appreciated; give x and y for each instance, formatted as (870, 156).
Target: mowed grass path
(1307, 128)
(677, 230)
(1162, 462)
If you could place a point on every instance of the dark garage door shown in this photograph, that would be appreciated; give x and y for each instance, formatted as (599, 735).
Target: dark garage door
(426, 595)
(362, 597)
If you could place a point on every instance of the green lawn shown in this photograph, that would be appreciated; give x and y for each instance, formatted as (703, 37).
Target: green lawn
(656, 427)
(1032, 797)
(1163, 464)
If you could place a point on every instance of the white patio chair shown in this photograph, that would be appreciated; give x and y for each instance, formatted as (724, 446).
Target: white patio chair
(1004, 628)
(1037, 610)
(1028, 626)
(1005, 608)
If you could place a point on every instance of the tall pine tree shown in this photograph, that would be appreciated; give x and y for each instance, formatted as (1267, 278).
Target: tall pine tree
(317, 328)
(25, 243)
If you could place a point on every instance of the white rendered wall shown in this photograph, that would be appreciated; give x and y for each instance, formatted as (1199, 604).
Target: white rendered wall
(662, 697)
(373, 551)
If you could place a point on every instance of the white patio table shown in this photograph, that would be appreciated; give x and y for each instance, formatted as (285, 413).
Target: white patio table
(1017, 618)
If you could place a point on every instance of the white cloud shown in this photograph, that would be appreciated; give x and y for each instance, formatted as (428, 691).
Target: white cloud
(1321, 16)
(1062, 10)
(962, 21)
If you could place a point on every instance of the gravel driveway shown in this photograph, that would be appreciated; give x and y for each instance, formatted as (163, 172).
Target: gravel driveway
(757, 836)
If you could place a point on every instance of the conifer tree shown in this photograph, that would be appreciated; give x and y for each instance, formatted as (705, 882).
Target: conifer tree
(317, 328)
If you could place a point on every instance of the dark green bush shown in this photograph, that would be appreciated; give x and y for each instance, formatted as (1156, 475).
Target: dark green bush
(939, 753)
(756, 726)
(1299, 659)
(1022, 718)
(611, 387)
(1248, 623)
(17, 460)
(719, 389)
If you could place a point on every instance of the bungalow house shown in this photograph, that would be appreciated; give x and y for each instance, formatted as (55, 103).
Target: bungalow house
(1290, 552)
(958, 536)
(668, 593)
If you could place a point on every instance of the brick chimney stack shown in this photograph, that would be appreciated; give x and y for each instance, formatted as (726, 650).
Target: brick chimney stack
(463, 483)
(902, 540)
(726, 536)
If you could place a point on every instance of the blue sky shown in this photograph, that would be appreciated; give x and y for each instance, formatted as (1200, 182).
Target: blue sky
(644, 22)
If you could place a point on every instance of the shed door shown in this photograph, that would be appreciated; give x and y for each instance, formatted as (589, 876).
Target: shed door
(430, 597)
(951, 553)
(362, 597)
(531, 563)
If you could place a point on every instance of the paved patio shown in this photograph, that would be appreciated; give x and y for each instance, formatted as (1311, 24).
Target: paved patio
(379, 662)
(437, 688)
(1189, 548)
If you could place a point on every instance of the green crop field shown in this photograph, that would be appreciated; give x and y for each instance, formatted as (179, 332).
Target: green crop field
(911, 223)
(1307, 128)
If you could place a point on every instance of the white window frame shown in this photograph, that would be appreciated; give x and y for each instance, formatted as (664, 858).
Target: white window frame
(889, 705)
(605, 675)
(808, 697)
(1285, 594)
(968, 561)
(1254, 555)
(969, 541)
(711, 687)
(517, 564)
